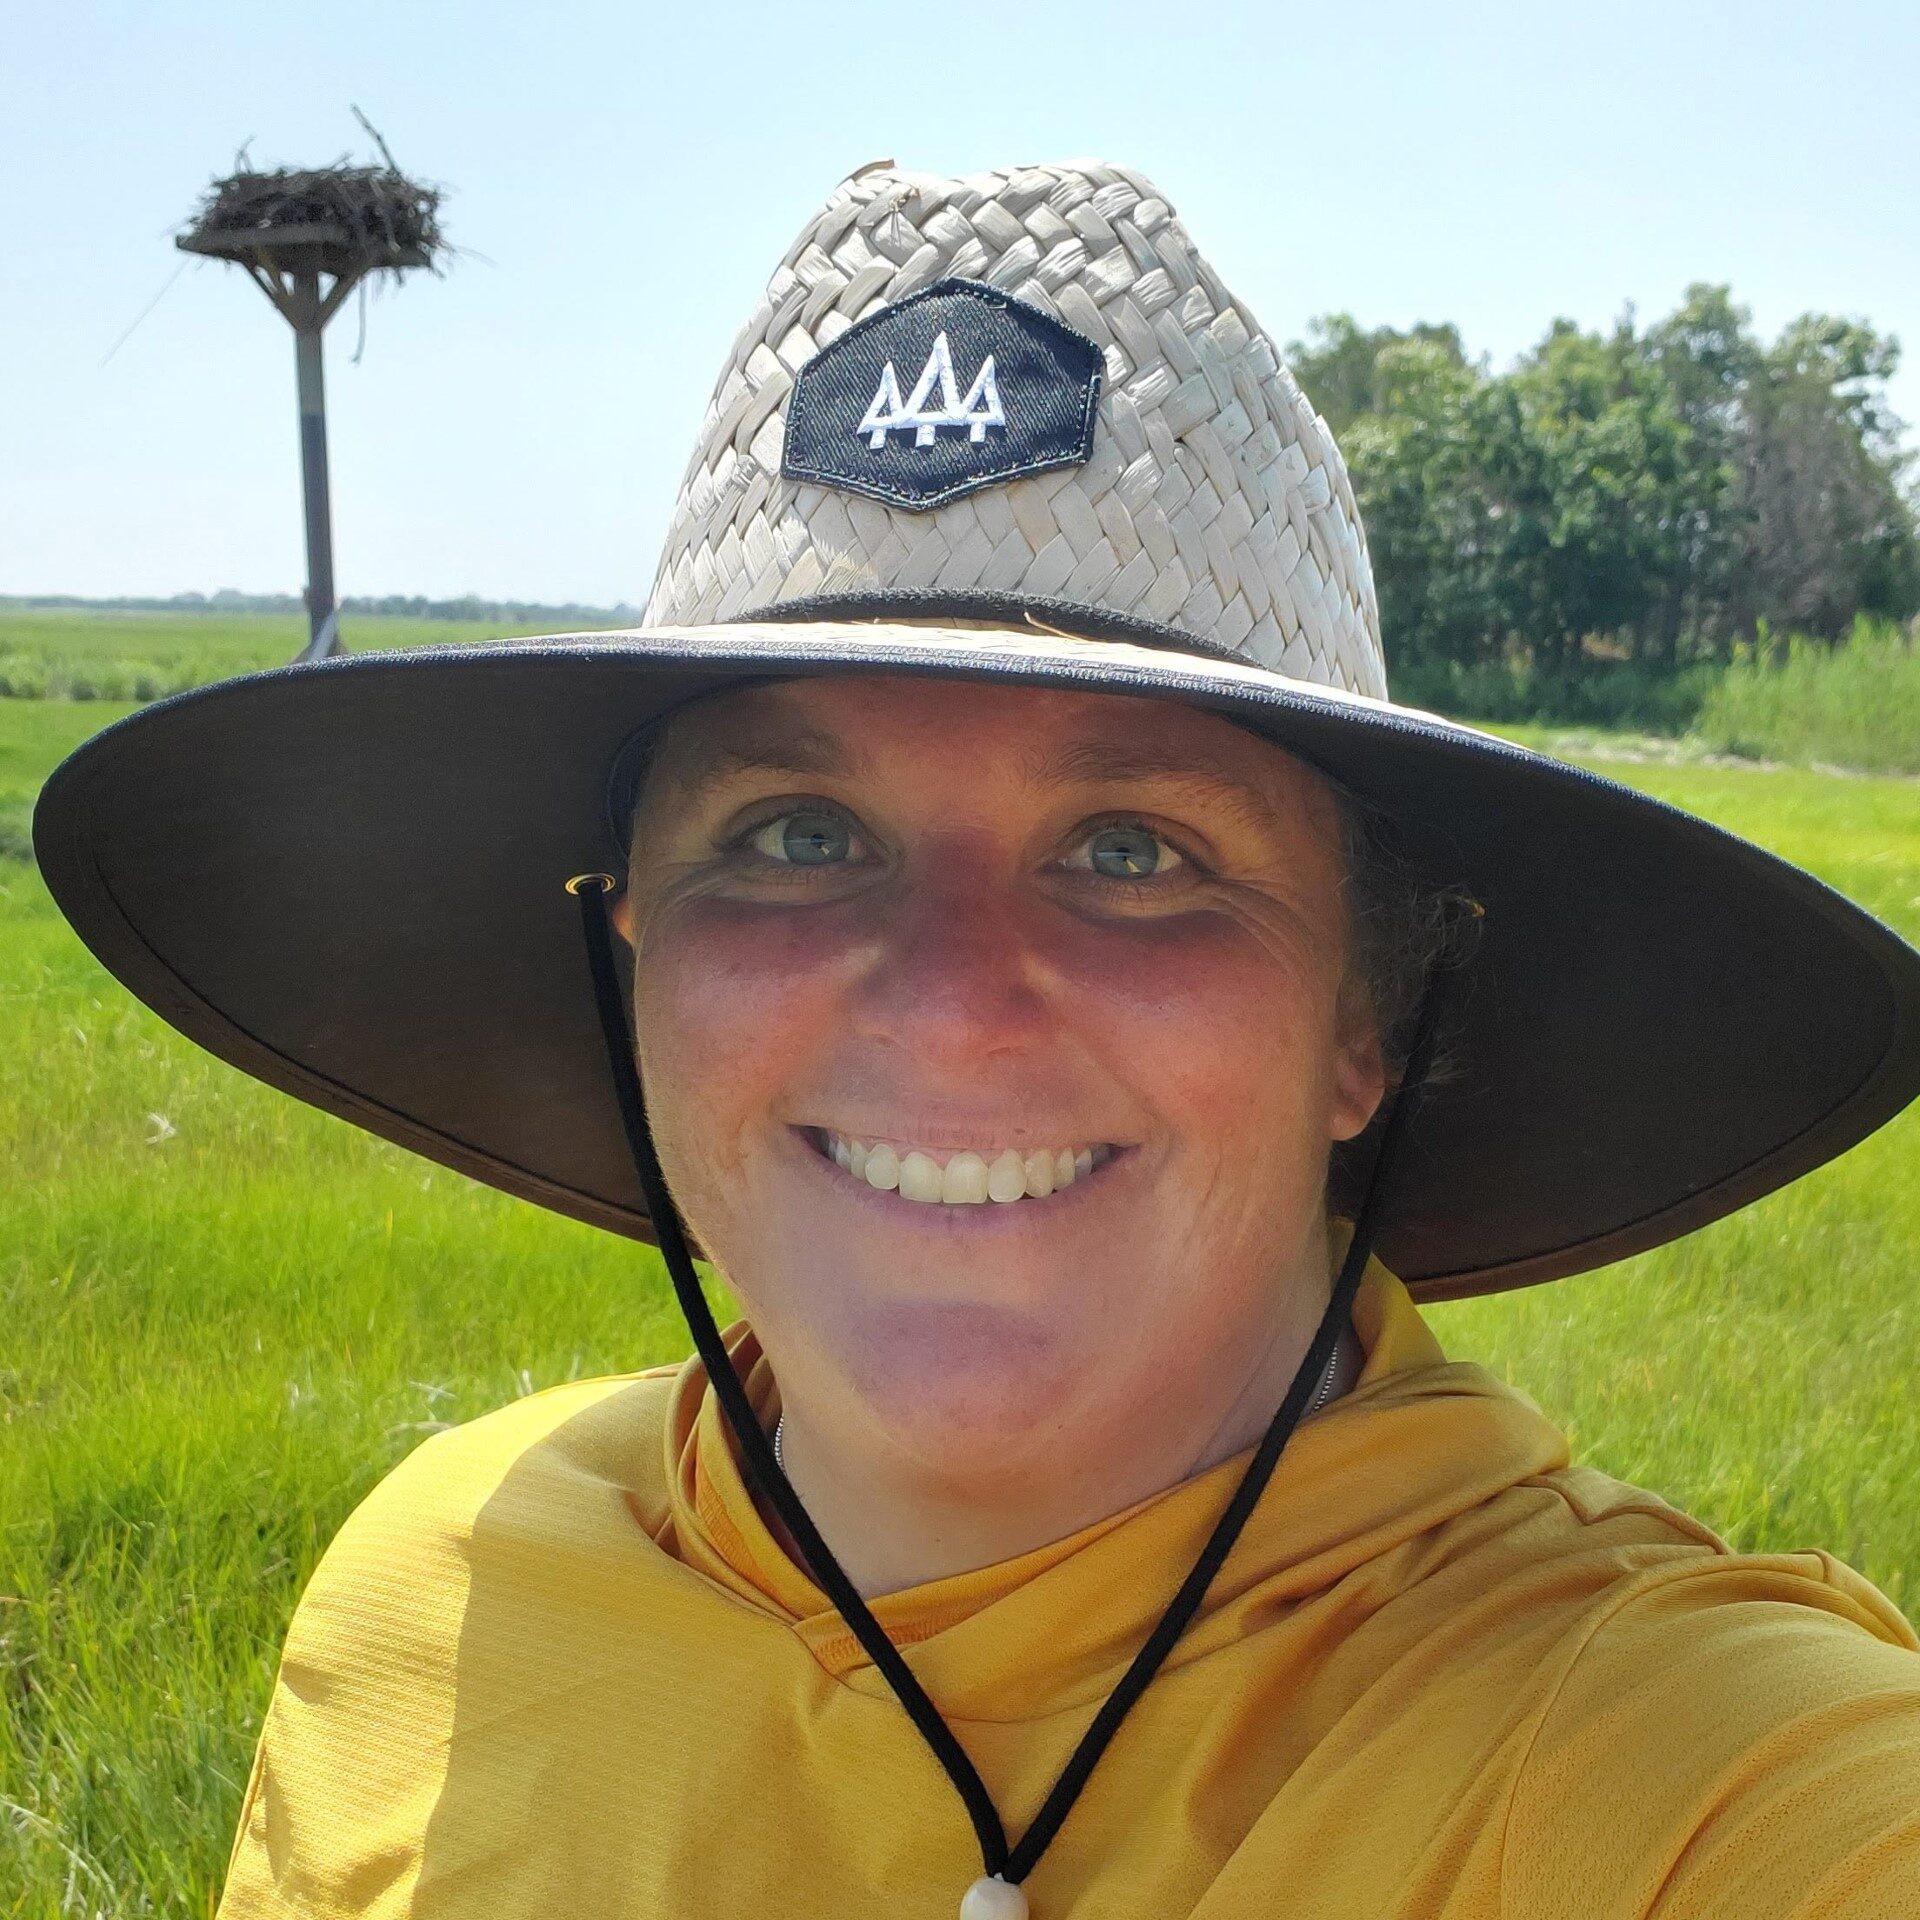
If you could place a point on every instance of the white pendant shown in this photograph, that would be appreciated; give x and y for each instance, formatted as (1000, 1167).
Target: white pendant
(993, 1899)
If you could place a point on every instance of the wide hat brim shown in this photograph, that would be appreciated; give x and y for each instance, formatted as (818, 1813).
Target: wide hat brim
(348, 880)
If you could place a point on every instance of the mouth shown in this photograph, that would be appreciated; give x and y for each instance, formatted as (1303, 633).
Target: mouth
(970, 1177)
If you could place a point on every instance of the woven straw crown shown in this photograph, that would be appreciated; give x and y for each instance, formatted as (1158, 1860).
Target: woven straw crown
(1214, 502)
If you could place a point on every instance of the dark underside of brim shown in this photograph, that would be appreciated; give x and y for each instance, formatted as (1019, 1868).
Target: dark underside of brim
(348, 880)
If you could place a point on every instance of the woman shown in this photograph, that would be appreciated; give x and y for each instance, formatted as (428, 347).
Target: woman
(1079, 1015)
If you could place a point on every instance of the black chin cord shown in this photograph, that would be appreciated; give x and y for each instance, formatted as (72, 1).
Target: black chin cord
(1014, 1864)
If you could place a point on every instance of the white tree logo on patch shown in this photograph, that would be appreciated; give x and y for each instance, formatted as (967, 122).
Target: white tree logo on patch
(977, 412)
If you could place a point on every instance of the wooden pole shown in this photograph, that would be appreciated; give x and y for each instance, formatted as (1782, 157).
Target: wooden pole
(307, 269)
(323, 624)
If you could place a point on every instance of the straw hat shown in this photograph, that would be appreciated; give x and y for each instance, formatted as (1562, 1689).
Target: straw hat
(1010, 426)
(1205, 495)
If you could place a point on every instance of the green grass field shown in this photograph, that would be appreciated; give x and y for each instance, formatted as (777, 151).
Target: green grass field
(110, 654)
(222, 1316)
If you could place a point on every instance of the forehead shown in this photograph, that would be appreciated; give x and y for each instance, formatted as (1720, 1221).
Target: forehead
(892, 728)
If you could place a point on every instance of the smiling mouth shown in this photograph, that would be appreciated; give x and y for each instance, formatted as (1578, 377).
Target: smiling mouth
(964, 1179)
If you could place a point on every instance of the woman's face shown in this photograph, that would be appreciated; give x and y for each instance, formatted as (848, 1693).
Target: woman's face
(979, 940)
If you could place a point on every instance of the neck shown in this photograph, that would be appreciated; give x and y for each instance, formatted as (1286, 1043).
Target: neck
(892, 1528)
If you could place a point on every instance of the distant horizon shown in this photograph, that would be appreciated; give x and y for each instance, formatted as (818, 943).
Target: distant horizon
(235, 600)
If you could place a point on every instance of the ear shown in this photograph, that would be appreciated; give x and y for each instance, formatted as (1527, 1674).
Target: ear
(621, 914)
(1359, 1065)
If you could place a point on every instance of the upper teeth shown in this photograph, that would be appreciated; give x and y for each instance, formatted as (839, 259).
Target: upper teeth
(967, 1178)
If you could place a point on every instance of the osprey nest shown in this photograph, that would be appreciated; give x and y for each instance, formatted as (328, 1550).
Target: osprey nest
(342, 218)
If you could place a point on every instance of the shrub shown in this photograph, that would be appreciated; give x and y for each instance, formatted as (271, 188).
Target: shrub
(23, 678)
(16, 834)
(1856, 704)
(1612, 694)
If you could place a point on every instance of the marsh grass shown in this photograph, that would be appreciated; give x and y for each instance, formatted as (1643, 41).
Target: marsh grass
(109, 654)
(1852, 705)
(225, 1315)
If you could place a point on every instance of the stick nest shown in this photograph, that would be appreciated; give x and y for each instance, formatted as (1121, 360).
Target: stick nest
(376, 214)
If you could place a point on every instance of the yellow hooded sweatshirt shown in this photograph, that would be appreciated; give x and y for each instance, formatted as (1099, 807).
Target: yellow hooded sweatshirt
(557, 1666)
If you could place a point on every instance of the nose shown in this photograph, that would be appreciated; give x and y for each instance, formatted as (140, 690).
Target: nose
(954, 974)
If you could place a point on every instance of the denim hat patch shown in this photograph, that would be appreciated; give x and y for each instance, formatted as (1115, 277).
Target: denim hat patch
(955, 388)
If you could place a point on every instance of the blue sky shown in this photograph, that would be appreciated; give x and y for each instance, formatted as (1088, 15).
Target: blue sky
(625, 178)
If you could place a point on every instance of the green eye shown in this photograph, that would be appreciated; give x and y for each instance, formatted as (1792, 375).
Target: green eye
(805, 838)
(1129, 853)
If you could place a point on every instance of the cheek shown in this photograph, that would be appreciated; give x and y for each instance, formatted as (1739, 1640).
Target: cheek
(730, 1003)
(1225, 1024)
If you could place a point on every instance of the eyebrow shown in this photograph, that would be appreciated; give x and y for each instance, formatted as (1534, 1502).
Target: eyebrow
(802, 751)
(810, 751)
(1108, 762)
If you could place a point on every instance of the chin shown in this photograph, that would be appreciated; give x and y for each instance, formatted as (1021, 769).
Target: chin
(949, 1374)
(966, 1333)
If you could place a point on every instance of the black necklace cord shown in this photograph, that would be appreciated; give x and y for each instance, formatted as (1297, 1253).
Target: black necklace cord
(1015, 1865)
(1253, 1482)
(732, 1394)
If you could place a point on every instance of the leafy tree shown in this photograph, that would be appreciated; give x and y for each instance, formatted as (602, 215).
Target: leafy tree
(1706, 354)
(1415, 456)
(1339, 363)
(1649, 497)
(1608, 448)
(1829, 529)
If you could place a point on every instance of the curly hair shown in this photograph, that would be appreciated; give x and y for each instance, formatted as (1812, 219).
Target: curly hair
(1403, 928)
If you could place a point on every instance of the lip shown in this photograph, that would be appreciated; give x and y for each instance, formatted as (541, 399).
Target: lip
(889, 1208)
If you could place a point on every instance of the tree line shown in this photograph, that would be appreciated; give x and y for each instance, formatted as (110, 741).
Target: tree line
(1656, 497)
